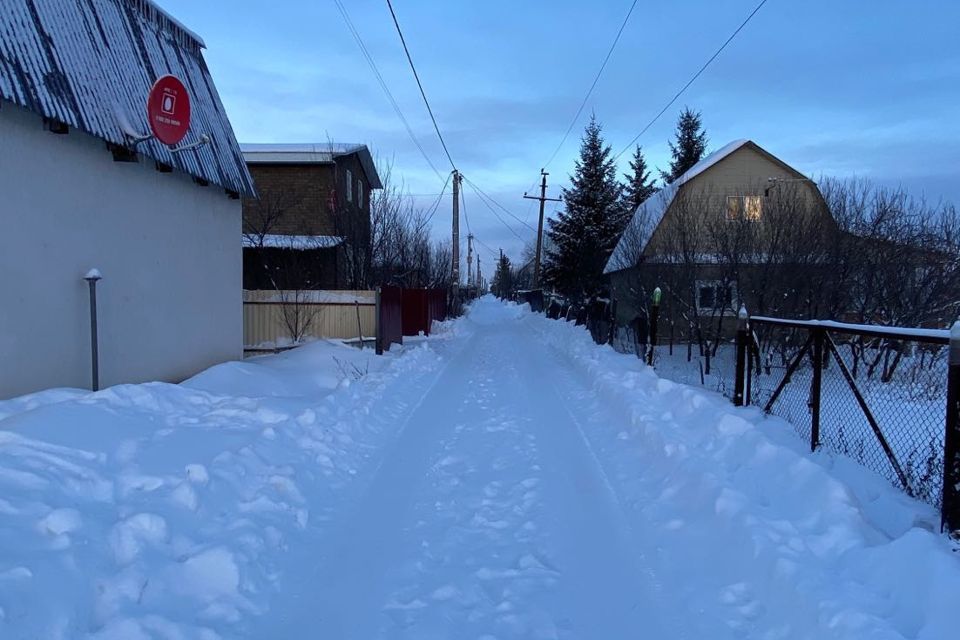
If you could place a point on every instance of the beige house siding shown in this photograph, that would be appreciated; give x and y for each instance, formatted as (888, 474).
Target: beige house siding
(746, 172)
(695, 246)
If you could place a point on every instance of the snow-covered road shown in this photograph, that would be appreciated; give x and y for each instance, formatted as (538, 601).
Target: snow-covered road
(489, 518)
(504, 479)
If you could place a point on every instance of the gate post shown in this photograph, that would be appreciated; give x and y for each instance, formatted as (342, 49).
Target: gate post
(613, 320)
(741, 370)
(378, 321)
(654, 318)
(950, 515)
(816, 387)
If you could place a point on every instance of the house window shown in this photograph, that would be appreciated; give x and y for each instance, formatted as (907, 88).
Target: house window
(749, 208)
(714, 295)
(359, 194)
(349, 188)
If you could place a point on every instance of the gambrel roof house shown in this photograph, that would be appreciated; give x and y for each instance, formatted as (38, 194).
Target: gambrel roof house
(740, 169)
(712, 239)
(84, 186)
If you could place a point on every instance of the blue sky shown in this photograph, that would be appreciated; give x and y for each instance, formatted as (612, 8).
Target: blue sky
(833, 87)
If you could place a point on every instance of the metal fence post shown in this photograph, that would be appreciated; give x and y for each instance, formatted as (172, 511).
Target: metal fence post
(816, 388)
(378, 321)
(613, 320)
(654, 318)
(359, 324)
(93, 276)
(950, 515)
(741, 369)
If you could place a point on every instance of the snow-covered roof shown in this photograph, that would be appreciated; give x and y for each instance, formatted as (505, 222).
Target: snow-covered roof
(283, 241)
(91, 63)
(311, 153)
(648, 215)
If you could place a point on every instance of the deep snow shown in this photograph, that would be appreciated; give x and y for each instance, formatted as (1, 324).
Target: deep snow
(504, 479)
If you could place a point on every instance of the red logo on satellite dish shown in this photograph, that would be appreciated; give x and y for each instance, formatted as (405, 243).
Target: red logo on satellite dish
(168, 109)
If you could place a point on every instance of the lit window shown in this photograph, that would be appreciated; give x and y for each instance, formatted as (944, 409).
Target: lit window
(752, 208)
(349, 186)
(734, 207)
(749, 208)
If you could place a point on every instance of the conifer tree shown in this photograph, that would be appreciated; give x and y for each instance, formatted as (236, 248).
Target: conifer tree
(688, 146)
(502, 284)
(638, 186)
(583, 235)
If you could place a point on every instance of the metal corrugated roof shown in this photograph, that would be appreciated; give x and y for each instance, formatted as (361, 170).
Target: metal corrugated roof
(311, 153)
(91, 64)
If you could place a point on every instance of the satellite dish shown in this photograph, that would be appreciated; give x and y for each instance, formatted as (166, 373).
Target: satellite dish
(168, 110)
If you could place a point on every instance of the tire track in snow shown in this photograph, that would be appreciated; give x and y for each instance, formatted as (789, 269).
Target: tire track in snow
(489, 519)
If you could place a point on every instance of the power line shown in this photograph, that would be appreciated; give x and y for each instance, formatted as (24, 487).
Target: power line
(496, 254)
(420, 84)
(691, 80)
(436, 204)
(383, 85)
(593, 85)
(463, 207)
(500, 206)
(499, 217)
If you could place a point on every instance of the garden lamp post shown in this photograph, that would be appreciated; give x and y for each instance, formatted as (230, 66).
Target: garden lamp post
(654, 317)
(93, 276)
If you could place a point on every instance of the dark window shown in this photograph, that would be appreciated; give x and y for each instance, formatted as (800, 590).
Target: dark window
(707, 297)
(713, 296)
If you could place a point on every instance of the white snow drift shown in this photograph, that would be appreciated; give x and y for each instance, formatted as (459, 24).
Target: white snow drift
(505, 479)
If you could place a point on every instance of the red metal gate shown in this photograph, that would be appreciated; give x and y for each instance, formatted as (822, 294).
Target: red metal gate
(420, 308)
(389, 317)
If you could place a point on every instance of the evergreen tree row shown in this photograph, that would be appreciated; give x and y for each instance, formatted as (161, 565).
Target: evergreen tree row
(597, 206)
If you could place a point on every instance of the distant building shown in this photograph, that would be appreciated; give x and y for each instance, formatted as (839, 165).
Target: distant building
(309, 226)
(78, 192)
(739, 227)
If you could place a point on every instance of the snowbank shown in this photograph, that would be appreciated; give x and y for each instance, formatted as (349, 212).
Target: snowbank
(186, 511)
(749, 525)
(169, 511)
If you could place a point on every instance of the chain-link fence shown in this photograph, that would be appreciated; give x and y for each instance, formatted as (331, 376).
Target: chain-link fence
(870, 393)
(885, 397)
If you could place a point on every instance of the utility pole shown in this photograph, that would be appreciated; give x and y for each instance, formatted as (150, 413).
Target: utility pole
(500, 271)
(469, 260)
(479, 277)
(543, 199)
(455, 271)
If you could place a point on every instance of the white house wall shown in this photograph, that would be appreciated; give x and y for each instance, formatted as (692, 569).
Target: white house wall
(170, 302)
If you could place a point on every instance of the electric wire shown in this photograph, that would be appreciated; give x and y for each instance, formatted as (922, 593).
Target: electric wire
(495, 212)
(691, 80)
(383, 85)
(593, 85)
(436, 204)
(500, 206)
(416, 75)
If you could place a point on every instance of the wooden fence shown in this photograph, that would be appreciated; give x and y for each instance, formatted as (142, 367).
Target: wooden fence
(274, 316)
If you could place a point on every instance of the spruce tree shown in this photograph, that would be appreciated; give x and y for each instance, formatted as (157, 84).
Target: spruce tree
(688, 147)
(638, 186)
(502, 283)
(583, 235)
